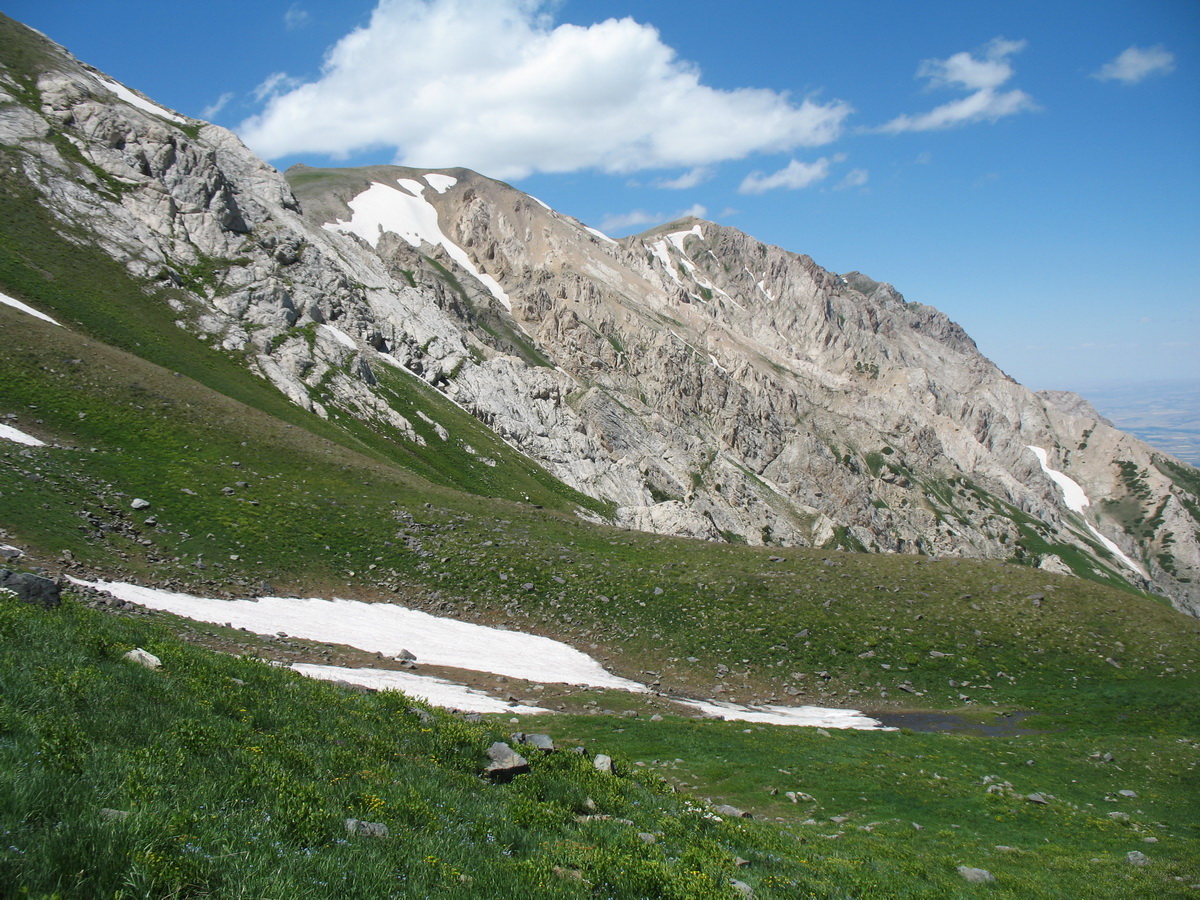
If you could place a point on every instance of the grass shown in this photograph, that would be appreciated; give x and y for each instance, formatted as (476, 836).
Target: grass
(237, 776)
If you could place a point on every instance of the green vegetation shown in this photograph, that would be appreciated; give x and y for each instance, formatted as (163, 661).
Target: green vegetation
(218, 776)
(230, 777)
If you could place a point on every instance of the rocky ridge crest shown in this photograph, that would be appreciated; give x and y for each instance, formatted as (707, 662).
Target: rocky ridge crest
(703, 382)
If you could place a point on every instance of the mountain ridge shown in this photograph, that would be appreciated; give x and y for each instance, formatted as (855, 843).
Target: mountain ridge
(692, 379)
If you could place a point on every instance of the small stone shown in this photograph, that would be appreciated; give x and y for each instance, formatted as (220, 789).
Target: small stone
(740, 863)
(144, 658)
(139, 503)
(366, 829)
(656, 718)
(976, 876)
(603, 763)
(1137, 858)
(731, 811)
(1036, 798)
(647, 838)
(114, 815)
(1130, 794)
(741, 887)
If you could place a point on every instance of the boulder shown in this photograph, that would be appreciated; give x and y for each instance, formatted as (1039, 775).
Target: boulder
(366, 829)
(976, 876)
(506, 763)
(143, 658)
(31, 588)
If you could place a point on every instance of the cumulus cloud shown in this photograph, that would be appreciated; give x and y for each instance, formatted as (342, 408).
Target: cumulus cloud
(688, 179)
(793, 176)
(497, 86)
(983, 76)
(1136, 64)
(210, 111)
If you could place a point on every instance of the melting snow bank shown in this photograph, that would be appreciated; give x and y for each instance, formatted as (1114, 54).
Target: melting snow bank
(404, 211)
(8, 433)
(436, 691)
(1076, 499)
(387, 629)
(26, 308)
(384, 628)
(140, 102)
(816, 716)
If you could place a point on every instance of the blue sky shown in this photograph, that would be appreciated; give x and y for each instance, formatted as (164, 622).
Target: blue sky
(1031, 169)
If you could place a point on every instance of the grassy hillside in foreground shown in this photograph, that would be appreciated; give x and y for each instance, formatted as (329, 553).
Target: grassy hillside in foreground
(232, 778)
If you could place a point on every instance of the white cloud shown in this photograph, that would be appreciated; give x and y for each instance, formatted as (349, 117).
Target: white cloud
(793, 176)
(854, 178)
(210, 111)
(1136, 64)
(983, 76)
(626, 222)
(275, 84)
(688, 179)
(295, 18)
(495, 85)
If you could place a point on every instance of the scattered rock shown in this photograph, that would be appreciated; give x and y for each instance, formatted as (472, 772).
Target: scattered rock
(366, 829)
(139, 503)
(976, 876)
(741, 887)
(506, 763)
(143, 658)
(31, 588)
(604, 763)
(1137, 858)
(647, 838)
(114, 815)
(1036, 798)
(1130, 794)
(732, 812)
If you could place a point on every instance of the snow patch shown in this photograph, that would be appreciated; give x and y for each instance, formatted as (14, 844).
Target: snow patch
(1076, 499)
(677, 237)
(340, 336)
(388, 629)
(436, 691)
(406, 212)
(8, 433)
(440, 183)
(17, 304)
(140, 102)
(812, 716)
(598, 233)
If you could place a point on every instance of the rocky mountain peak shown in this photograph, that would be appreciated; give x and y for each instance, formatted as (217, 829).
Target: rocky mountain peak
(698, 380)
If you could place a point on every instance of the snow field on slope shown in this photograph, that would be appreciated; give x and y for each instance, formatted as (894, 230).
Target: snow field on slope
(17, 304)
(8, 433)
(436, 691)
(388, 629)
(404, 211)
(134, 100)
(1076, 499)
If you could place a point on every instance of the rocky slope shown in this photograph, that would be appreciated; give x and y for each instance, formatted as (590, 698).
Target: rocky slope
(702, 382)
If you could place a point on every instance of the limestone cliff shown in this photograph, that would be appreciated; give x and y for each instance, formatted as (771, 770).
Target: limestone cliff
(703, 382)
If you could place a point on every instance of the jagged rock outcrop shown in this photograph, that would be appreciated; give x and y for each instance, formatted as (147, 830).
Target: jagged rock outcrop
(703, 382)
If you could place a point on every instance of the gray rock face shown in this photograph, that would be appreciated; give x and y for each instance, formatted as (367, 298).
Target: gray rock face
(704, 383)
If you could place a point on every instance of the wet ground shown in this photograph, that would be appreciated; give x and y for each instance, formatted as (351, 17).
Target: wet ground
(1003, 725)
